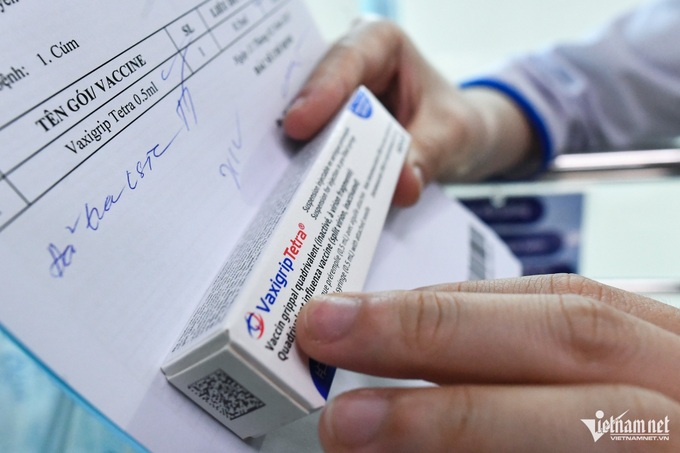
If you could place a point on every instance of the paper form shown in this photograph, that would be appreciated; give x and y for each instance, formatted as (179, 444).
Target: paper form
(137, 141)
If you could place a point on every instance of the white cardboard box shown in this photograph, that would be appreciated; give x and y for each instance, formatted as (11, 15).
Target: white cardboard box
(237, 357)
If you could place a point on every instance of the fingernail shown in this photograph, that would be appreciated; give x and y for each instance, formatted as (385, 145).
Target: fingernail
(296, 104)
(355, 420)
(329, 318)
(418, 173)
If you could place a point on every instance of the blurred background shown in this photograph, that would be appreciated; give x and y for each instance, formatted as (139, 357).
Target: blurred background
(605, 215)
(464, 37)
(612, 219)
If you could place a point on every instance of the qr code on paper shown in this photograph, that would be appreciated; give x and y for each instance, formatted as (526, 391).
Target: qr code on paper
(225, 395)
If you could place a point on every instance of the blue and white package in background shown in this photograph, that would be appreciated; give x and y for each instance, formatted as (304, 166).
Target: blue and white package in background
(317, 234)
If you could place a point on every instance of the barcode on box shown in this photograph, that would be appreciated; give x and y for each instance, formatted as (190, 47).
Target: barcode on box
(225, 395)
(479, 256)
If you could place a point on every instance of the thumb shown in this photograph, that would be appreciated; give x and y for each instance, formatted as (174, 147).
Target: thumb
(409, 185)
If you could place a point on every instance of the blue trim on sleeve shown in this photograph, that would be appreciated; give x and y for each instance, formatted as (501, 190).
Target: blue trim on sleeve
(544, 139)
(62, 386)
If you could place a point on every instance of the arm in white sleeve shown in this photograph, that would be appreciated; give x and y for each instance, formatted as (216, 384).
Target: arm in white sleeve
(613, 91)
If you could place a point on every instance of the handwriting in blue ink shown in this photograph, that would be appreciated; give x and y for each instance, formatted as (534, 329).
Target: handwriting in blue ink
(95, 215)
(72, 229)
(231, 168)
(60, 259)
(185, 103)
(145, 166)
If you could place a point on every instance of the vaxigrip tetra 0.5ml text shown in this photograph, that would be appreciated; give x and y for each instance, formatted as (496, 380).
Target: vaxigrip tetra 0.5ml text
(236, 357)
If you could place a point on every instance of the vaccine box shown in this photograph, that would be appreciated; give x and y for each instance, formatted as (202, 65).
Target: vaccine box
(317, 234)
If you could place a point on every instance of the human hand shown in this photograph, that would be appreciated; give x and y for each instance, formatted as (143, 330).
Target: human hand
(457, 135)
(518, 364)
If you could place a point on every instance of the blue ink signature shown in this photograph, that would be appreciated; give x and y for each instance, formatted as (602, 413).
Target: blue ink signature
(185, 103)
(144, 167)
(60, 259)
(94, 216)
(231, 166)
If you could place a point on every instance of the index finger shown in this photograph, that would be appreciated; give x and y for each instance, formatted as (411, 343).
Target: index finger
(452, 337)
(658, 313)
(364, 56)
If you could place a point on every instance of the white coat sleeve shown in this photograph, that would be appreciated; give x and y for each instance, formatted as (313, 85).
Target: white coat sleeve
(617, 89)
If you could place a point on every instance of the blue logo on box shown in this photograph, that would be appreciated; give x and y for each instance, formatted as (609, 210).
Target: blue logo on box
(322, 376)
(255, 325)
(361, 105)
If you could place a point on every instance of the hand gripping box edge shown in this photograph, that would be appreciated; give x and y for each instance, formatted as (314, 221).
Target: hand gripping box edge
(324, 242)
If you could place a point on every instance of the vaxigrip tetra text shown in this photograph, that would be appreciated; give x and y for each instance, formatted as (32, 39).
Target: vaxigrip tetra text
(236, 357)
